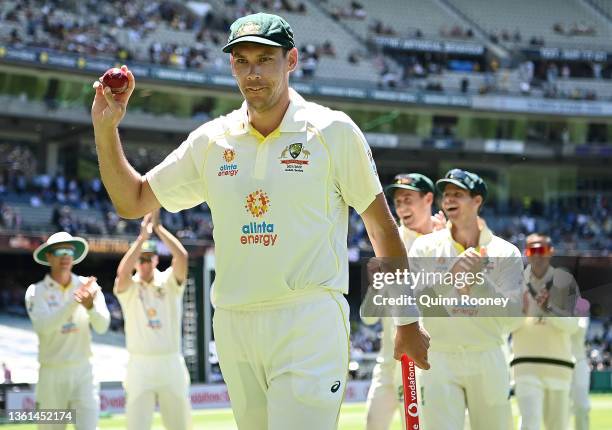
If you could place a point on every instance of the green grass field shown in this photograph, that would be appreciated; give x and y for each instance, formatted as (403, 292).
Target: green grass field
(351, 418)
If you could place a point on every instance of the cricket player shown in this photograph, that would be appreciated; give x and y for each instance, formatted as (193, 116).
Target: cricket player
(468, 365)
(581, 377)
(543, 361)
(551, 290)
(62, 306)
(278, 175)
(152, 304)
(412, 195)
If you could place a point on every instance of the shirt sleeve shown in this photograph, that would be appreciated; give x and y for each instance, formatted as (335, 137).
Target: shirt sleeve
(172, 283)
(125, 296)
(99, 316)
(509, 284)
(566, 324)
(178, 182)
(354, 167)
(44, 319)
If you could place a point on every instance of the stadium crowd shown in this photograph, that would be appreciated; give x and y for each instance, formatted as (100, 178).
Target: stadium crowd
(80, 206)
(578, 223)
(139, 31)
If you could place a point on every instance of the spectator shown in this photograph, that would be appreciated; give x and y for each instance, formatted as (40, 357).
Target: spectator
(8, 379)
(597, 70)
(565, 72)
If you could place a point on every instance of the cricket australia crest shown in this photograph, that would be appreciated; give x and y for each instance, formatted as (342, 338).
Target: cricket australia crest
(294, 157)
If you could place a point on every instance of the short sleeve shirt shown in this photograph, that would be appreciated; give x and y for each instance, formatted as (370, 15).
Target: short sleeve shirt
(69, 340)
(279, 204)
(437, 251)
(153, 314)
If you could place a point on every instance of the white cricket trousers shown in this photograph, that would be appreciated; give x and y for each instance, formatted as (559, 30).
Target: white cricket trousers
(581, 404)
(476, 380)
(69, 387)
(157, 377)
(285, 365)
(538, 402)
(383, 397)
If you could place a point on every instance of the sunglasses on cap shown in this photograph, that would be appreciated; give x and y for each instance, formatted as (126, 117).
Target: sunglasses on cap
(61, 252)
(530, 251)
(461, 176)
(402, 180)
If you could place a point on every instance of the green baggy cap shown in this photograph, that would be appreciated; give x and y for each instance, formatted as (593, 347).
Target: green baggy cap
(263, 28)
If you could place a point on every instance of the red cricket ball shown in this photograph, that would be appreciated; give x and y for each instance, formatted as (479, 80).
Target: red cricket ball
(116, 79)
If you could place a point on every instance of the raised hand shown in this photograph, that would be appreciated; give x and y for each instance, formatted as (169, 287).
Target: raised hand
(108, 109)
(146, 227)
(86, 293)
(439, 221)
(155, 218)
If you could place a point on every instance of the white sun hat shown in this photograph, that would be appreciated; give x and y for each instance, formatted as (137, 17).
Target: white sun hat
(80, 247)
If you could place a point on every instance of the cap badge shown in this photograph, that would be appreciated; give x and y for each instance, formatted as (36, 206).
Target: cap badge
(248, 28)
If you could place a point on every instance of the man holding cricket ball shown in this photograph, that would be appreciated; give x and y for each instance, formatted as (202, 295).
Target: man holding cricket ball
(281, 320)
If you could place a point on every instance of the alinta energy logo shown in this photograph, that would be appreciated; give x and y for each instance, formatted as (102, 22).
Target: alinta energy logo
(228, 168)
(258, 233)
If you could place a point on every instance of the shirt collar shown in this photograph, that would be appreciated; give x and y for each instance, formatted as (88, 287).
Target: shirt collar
(51, 283)
(550, 272)
(154, 281)
(486, 235)
(405, 232)
(294, 120)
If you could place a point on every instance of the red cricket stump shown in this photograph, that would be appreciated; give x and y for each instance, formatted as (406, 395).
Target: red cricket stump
(411, 403)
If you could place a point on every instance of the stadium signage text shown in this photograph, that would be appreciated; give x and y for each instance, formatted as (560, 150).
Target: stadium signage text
(203, 396)
(430, 45)
(568, 54)
(55, 60)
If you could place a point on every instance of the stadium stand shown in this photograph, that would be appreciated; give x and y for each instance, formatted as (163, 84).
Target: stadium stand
(571, 24)
(332, 39)
(403, 18)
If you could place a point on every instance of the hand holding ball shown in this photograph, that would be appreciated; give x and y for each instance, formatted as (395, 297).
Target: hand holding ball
(116, 79)
(113, 90)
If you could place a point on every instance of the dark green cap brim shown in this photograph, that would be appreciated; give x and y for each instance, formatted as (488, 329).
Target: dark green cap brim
(255, 39)
(442, 183)
(389, 189)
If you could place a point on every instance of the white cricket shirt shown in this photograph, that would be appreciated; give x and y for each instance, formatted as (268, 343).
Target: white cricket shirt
(436, 252)
(562, 290)
(578, 339)
(152, 313)
(62, 325)
(279, 203)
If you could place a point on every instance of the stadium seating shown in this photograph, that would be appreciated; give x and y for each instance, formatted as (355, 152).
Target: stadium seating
(602, 6)
(534, 18)
(316, 28)
(403, 16)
